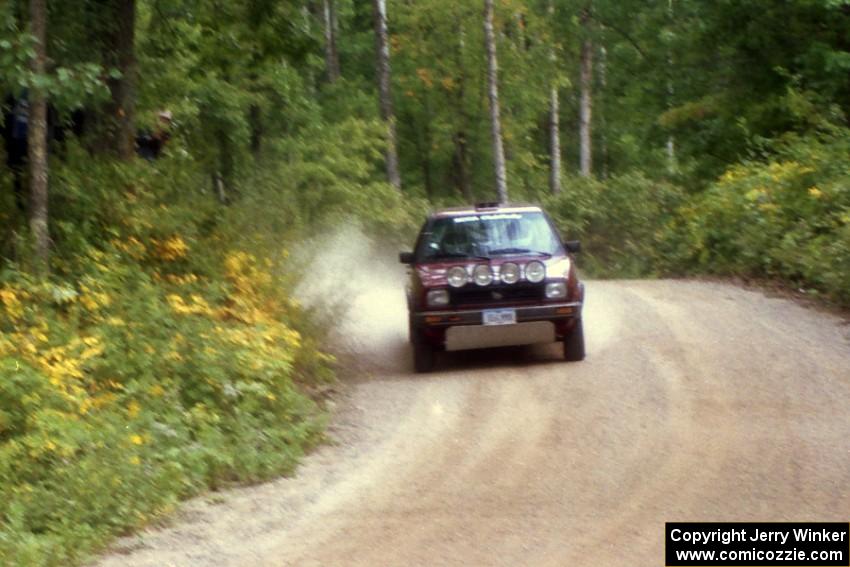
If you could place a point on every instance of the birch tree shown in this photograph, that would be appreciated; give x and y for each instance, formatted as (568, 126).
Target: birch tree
(461, 135)
(331, 51)
(493, 95)
(382, 57)
(601, 109)
(554, 122)
(586, 104)
(37, 135)
(671, 92)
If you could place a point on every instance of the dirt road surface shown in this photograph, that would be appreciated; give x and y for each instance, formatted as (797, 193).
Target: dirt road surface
(697, 402)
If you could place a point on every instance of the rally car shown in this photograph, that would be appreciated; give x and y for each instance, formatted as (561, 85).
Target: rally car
(492, 275)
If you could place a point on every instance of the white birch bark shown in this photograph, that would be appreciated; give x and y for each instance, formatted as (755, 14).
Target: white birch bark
(554, 142)
(600, 109)
(586, 109)
(382, 54)
(671, 92)
(554, 119)
(331, 52)
(493, 94)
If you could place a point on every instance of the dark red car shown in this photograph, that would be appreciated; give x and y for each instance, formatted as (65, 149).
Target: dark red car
(492, 275)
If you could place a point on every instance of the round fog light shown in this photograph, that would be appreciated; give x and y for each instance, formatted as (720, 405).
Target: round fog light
(535, 271)
(456, 276)
(509, 273)
(482, 274)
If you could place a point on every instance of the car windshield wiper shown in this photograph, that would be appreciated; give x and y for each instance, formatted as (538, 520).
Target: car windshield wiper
(520, 251)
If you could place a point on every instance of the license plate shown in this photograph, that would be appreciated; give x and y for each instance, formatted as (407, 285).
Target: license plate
(499, 316)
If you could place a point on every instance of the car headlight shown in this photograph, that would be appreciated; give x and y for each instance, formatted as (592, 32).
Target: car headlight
(556, 290)
(509, 273)
(437, 298)
(535, 272)
(482, 274)
(456, 276)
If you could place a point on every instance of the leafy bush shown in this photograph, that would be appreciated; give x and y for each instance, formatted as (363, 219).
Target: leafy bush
(141, 382)
(618, 221)
(786, 216)
(165, 354)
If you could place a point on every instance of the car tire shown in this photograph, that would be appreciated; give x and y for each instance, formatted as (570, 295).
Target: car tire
(424, 356)
(574, 344)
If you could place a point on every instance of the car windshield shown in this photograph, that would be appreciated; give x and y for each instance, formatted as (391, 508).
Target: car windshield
(488, 235)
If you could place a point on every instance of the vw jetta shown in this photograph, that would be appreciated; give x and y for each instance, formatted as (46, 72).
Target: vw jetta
(492, 275)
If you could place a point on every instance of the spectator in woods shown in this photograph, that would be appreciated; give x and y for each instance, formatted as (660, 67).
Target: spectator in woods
(15, 137)
(150, 144)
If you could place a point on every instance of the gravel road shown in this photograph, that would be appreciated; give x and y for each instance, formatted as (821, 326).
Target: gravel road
(697, 402)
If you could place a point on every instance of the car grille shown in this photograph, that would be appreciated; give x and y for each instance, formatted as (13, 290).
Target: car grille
(496, 295)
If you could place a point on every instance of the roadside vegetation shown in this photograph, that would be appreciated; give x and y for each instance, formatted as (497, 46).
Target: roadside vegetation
(164, 157)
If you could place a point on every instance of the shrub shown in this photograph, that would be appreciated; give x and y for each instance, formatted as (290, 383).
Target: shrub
(618, 220)
(784, 217)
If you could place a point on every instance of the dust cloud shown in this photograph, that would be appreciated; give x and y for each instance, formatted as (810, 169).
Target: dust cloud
(356, 285)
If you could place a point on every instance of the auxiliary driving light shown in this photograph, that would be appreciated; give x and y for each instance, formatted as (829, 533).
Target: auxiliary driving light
(535, 272)
(482, 274)
(456, 276)
(509, 273)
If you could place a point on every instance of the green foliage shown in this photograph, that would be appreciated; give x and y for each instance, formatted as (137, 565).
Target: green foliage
(16, 50)
(785, 216)
(618, 221)
(159, 360)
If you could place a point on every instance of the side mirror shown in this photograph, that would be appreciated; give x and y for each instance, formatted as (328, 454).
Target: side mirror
(405, 257)
(572, 246)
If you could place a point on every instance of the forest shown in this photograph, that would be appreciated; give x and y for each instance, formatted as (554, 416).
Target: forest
(163, 158)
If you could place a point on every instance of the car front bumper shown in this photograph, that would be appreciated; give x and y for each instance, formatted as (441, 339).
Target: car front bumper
(554, 312)
(463, 329)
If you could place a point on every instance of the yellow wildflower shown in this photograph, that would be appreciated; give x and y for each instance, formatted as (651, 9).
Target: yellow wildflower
(13, 305)
(172, 249)
(133, 409)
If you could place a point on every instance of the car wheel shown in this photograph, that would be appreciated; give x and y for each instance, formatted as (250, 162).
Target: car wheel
(423, 355)
(574, 343)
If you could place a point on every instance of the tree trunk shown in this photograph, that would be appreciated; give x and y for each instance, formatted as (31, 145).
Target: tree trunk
(382, 55)
(671, 92)
(460, 160)
(554, 120)
(120, 122)
(493, 93)
(331, 52)
(586, 106)
(601, 108)
(255, 121)
(554, 142)
(37, 138)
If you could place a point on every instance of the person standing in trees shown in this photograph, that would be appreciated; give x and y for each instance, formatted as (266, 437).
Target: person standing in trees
(149, 144)
(15, 136)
